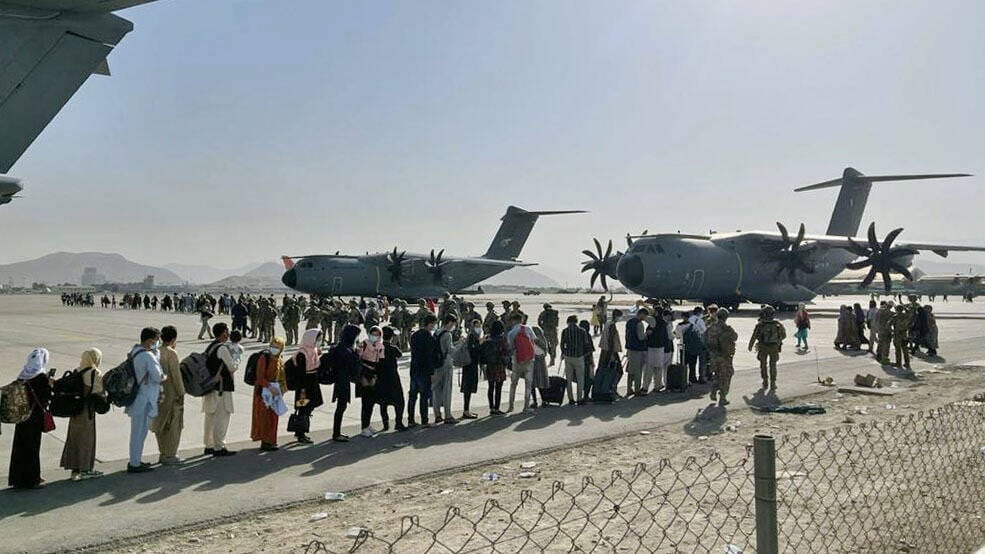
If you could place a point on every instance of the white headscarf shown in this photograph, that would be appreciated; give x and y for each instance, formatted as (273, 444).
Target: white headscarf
(37, 363)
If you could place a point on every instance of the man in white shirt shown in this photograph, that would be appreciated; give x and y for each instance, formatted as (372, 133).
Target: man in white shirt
(218, 404)
(149, 376)
(698, 322)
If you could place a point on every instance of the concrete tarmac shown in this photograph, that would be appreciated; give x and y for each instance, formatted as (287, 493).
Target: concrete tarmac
(121, 505)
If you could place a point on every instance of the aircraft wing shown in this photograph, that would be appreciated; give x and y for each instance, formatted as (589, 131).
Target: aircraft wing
(48, 48)
(843, 242)
(493, 263)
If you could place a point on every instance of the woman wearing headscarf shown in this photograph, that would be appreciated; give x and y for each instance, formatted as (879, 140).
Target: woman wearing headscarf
(79, 453)
(308, 396)
(389, 390)
(25, 455)
(802, 320)
(930, 338)
(470, 372)
(496, 364)
(540, 378)
(265, 419)
(860, 324)
(348, 369)
(370, 355)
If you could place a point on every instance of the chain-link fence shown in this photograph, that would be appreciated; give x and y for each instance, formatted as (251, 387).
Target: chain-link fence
(915, 484)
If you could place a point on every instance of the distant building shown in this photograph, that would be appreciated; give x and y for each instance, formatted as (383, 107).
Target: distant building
(92, 277)
(149, 282)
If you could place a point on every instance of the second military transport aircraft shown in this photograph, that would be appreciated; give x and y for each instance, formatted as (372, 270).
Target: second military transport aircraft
(765, 267)
(398, 274)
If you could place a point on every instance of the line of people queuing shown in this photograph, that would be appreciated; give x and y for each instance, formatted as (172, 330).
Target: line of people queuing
(497, 348)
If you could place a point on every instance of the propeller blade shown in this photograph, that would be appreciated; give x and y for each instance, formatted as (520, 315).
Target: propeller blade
(900, 252)
(588, 267)
(598, 247)
(890, 238)
(859, 265)
(901, 269)
(590, 254)
(873, 241)
(595, 276)
(440, 255)
(857, 249)
(605, 286)
(887, 280)
(608, 250)
(800, 237)
(868, 279)
(783, 232)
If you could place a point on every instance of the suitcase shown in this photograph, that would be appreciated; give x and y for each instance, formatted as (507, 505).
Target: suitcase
(604, 384)
(677, 374)
(554, 393)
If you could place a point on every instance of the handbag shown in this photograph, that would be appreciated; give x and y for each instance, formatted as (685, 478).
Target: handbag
(49, 420)
(298, 422)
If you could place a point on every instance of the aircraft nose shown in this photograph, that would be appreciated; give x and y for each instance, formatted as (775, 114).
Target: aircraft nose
(290, 278)
(630, 271)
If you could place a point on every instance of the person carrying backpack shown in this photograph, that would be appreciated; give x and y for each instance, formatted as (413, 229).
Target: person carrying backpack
(573, 353)
(79, 453)
(149, 376)
(25, 454)
(521, 340)
(444, 372)
(170, 418)
(218, 404)
(767, 338)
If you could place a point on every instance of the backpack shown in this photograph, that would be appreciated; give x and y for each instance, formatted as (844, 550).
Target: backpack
(770, 333)
(692, 340)
(489, 352)
(326, 369)
(15, 404)
(68, 397)
(294, 377)
(121, 383)
(197, 372)
(460, 356)
(524, 346)
(250, 374)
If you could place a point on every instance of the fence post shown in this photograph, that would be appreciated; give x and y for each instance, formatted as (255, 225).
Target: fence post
(764, 468)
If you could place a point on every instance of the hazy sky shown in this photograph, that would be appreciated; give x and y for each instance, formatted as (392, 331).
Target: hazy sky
(235, 130)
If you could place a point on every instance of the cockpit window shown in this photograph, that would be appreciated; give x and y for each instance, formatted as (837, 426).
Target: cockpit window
(638, 247)
(307, 265)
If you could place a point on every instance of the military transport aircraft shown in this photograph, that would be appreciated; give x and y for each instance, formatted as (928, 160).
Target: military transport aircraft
(48, 48)
(398, 274)
(959, 286)
(9, 187)
(761, 266)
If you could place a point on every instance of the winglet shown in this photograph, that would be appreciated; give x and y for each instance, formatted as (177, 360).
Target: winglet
(288, 262)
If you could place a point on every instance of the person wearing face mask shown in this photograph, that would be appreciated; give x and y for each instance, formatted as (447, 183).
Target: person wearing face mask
(148, 374)
(470, 373)
(265, 420)
(371, 352)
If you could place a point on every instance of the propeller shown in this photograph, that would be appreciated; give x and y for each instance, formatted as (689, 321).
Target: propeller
(435, 265)
(603, 264)
(629, 238)
(880, 257)
(395, 265)
(790, 255)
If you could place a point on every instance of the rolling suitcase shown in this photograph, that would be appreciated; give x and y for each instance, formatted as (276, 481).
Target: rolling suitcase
(677, 374)
(606, 379)
(556, 386)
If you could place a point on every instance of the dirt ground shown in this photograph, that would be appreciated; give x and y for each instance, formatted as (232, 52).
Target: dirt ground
(380, 508)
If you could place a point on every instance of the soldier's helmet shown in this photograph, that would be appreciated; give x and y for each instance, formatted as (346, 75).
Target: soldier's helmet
(723, 314)
(547, 306)
(422, 303)
(768, 313)
(470, 305)
(490, 305)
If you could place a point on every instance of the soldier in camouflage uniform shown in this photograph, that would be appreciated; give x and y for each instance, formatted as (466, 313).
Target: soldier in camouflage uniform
(548, 321)
(406, 326)
(505, 316)
(767, 338)
(354, 316)
(420, 318)
(291, 319)
(470, 314)
(885, 332)
(253, 310)
(372, 317)
(339, 317)
(902, 322)
(312, 315)
(720, 341)
(491, 316)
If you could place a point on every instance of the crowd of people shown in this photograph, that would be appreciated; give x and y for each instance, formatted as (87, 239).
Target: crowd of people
(906, 327)
(355, 348)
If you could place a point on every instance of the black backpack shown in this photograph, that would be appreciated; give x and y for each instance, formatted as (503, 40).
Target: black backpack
(326, 369)
(293, 374)
(121, 383)
(250, 375)
(68, 397)
(489, 352)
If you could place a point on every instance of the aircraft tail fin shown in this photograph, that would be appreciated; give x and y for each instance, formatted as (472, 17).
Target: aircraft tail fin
(514, 231)
(847, 215)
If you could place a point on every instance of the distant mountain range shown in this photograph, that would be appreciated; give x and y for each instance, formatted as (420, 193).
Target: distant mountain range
(522, 277)
(67, 267)
(205, 274)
